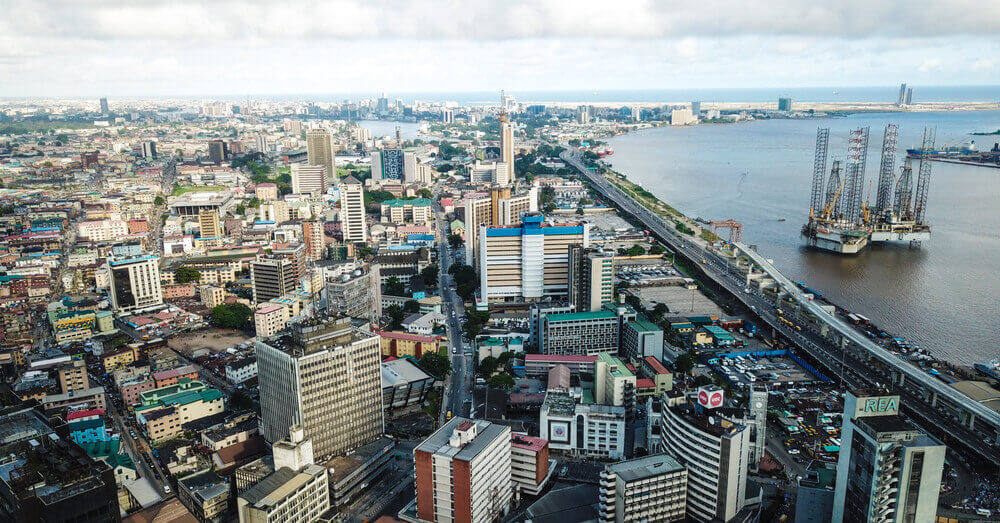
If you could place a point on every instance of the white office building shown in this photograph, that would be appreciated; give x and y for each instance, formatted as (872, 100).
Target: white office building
(135, 283)
(309, 179)
(353, 216)
(582, 429)
(650, 488)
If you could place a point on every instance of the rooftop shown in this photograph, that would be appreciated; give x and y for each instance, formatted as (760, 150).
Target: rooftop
(439, 444)
(644, 467)
(527, 442)
(580, 316)
(656, 365)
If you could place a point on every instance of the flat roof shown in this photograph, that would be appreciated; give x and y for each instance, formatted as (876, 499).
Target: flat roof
(527, 442)
(644, 467)
(560, 358)
(576, 316)
(438, 442)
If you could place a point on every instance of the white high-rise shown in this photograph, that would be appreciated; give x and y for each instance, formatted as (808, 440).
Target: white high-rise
(352, 210)
(135, 283)
(309, 179)
(507, 148)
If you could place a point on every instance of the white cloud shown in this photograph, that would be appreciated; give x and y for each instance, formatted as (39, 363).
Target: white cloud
(930, 64)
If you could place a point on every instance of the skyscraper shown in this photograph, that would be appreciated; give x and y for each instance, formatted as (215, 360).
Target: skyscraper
(271, 277)
(104, 106)
(784, 104)
(217, 151)
(135, 283)
(314, 239)
(326, 377)
(260, 142)
(909, 95)
(463, 472)
(394, 164)
(309, 179)
(507, 147)
(319, 149)
(591, 278)
(352, 211)
(888, 470)
(149, 149)
(208, 223)
(901, 99)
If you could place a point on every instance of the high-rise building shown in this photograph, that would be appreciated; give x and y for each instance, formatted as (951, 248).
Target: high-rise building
(327, 377)
(447, 116)
(909, 95)
(353, 216)
(529, 463)
(272, 277)
(394, 164)
(314, 239)
(356, 292)
(319, 149)
(217, 151)
(814, 499)
(149, 149)
(463, 472)
(650, 488)
(260, 142)
(785, 104)
(888, 469)
(591, 278)
(584, 114)
(309, 179)
(104, 106)
(682, 116)
(527, 261)
(135, 283)
(579, 333)
(496, 208)
(758, 419)
(714, 450)
(507, 148)
(901, 99)
(209, 225)
(695, 108)
(582, 429)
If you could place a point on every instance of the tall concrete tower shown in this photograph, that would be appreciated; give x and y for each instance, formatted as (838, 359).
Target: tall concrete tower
(758, 413)
(507, 146)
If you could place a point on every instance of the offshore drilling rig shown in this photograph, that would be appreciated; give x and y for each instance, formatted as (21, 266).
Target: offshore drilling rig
(840, 217)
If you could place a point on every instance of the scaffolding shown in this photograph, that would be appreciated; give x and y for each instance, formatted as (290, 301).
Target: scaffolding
(735, 228)
(883, 200)
(819, 171)
(854, 184)
(904, 191)
(833, 187)
(924, 176)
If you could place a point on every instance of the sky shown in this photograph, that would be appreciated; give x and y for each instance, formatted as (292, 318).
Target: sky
(288, 47)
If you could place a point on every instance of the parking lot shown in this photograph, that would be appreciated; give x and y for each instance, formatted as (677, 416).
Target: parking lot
(679, 300)
(774, 371)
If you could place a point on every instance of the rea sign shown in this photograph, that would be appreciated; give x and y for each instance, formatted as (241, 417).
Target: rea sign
(710, 397)
(877, 406)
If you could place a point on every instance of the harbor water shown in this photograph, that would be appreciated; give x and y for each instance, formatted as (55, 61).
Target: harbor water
(943, 296)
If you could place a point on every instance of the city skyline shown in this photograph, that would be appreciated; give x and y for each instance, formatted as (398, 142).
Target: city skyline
(60, 49)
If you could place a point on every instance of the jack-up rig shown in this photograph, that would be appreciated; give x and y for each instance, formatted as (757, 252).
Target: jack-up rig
(840, 218)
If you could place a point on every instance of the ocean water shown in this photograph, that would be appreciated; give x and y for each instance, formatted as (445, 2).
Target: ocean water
(944, 296)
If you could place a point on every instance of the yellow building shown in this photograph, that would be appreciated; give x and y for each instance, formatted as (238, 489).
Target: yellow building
(212, 296)
(118, 359)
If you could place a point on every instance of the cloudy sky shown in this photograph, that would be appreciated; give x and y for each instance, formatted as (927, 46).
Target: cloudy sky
(220, 47)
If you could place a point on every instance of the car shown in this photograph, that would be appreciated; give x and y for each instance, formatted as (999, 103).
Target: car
(794, 451)
(166, 488)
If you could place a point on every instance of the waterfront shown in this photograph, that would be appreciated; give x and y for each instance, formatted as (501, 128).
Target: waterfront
(941, 296)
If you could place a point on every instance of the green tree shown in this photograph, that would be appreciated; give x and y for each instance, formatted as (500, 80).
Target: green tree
(239, 401)
(231, 316)
(501, 381)
(425, 193)
(660, 309)
(241, 209)
(393, 287)
(186, 274)
(411, 306)
(684, 363)
(475, 322)
(455, 241)
(436, 364)
(396, 315)
(487, 367)
(430, 275)
(657, 249)
(158, 200)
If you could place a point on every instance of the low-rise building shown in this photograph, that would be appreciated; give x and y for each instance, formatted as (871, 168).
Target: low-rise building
(206, 495)
(587, 333)
(530, 467)
(614, 383)
(404, 384)
(399, 344)
(270, 320)
(241, 370)
(168, 377)
(582, 429)
(641, 338)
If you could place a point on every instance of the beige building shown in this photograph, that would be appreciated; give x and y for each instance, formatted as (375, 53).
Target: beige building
(209, 227)
(353, 216)
(266, 191)
(320, 150)
(416, 211)
(270, 320)
(507, 149)
(309, 179)
(326, 377)
(650, 488)
(135, 283)
(212, 296)
(496, 208)
(73, 376)
(275, 211)
(591, 278)
(314, 239)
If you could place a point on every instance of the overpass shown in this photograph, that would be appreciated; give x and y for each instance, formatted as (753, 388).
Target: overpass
(862, 362)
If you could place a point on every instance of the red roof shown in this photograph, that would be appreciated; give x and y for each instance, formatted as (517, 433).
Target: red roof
(445, 202)
(558, 358)
(656, 365)
(527, 442)
(407, 336)
(164, 315)
(84, 414)
(141, 320)
(644, 383)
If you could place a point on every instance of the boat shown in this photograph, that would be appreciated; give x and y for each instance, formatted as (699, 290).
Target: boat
(781, 219)
(606, 152)
(989, 368)
(946, 151)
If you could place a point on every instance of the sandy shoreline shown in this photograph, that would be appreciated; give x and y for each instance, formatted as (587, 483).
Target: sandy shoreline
(826, 107)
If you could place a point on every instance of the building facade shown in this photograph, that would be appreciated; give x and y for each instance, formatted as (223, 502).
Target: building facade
(650, 488)
(353, 217)
(135, 283)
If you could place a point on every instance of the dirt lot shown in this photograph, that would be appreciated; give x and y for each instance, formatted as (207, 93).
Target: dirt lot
(214, 339)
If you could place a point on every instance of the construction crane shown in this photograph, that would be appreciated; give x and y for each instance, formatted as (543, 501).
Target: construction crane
(735, 228)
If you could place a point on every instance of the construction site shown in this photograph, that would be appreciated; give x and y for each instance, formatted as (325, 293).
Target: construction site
(842, 218)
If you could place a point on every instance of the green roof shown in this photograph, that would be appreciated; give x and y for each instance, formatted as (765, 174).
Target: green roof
(718, 332)
(576, 316)
(98, 449)
(85, 424)
(588, 396)
(416, 202)
(621, 371)
(643, 326)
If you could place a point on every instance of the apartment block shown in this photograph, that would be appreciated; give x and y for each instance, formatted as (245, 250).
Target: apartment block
(650, 488)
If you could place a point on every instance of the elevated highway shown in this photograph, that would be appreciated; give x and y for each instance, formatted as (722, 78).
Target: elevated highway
(847, 353)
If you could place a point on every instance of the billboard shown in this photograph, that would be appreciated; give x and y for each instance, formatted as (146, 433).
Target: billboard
(710, 396)
(559, 431)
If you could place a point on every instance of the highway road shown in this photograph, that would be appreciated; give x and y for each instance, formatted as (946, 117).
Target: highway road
(853, 372)
(458, 388)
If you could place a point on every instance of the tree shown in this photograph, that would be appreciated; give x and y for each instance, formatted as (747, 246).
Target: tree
(239, 401)
(684, 363)
(393, 287)
(186, 274)
(466, 280)
(660, 309)
(411, 306)
(241, 209)
(475, 321)
(455, 241)
(436, 364)
(158, 200)
(487, 367)
(231, 316)
(425, 193)
(430, 275)
(501, 381)
(657, 249)
(396, 316)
